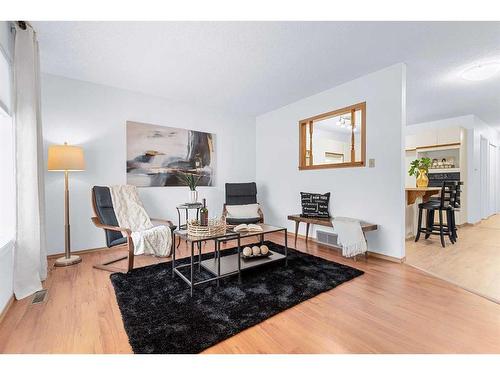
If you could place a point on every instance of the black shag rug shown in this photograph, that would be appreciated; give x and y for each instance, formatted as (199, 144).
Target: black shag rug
(160, 316)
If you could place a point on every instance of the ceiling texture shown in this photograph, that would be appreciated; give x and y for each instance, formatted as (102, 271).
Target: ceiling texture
(255, 67)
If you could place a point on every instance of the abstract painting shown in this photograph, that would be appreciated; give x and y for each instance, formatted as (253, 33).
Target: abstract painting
(156, 155)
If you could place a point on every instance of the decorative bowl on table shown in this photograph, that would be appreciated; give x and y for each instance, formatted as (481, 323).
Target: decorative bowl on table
(255, 252)
(216, 226)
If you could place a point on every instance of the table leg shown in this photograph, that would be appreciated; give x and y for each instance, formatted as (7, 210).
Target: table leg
(239, 260)
(286, 247)
(187, 218)
(199, 256)
(179, 227)
(173, 255)
(218, 263)
(296, 231)
(192, 266)
(307, 231)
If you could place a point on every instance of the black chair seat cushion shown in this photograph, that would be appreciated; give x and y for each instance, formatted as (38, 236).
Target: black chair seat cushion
(237, 221)
(433, 205)
(119, 241)
(123, 240)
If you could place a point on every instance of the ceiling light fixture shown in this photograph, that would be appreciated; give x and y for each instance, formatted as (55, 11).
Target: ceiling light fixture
(481, 72)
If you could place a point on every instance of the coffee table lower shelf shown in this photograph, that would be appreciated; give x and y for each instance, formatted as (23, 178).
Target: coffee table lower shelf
(229, 263)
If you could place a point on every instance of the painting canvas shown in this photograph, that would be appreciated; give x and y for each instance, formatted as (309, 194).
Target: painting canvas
(157, 154)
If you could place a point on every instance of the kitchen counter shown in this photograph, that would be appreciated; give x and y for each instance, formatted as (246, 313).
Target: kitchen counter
(412, 193)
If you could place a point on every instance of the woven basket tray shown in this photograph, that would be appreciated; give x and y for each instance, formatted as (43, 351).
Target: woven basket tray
(215, 227)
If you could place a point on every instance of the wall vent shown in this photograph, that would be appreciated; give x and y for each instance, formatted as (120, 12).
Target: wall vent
(327, 238)
(39, 296)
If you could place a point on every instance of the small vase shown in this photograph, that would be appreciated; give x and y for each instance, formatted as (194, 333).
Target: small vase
(422, 179)
(193, 196)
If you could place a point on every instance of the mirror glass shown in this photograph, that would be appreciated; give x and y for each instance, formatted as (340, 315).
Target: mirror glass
(332, 140)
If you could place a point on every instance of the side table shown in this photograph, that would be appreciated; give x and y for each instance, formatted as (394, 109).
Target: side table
(187, 207)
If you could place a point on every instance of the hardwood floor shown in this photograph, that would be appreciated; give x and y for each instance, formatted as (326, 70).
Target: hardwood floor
(392, 308)
(473, 262)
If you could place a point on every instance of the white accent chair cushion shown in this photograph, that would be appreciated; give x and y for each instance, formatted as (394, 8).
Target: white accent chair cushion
(243, 211)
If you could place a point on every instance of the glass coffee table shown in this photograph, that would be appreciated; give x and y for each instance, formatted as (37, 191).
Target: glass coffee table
(221, 265)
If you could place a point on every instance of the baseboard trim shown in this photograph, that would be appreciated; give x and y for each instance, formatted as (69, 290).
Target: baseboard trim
(370, 253)
(57, 255)
(3, 313)
(387, 257)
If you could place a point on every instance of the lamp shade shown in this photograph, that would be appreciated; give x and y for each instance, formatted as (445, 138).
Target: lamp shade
(65, 158)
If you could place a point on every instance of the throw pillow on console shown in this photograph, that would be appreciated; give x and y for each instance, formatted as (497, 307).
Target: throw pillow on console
(315, 205)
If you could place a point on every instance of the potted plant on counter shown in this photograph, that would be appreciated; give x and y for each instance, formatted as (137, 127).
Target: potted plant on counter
(419, 168)
(191, 180)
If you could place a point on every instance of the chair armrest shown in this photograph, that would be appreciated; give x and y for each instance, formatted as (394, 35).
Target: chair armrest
(98, 224)
(261, 214)
(162, 221)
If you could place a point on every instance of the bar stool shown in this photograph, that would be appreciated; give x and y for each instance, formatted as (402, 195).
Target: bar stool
(454, 202)
(446, 204)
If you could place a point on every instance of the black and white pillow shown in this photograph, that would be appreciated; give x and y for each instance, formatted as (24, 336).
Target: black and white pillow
(315, 205)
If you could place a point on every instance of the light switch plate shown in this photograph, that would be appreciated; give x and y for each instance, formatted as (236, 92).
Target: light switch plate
(371, 163)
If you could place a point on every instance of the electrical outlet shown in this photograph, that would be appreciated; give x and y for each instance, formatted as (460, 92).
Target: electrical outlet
(371, 163)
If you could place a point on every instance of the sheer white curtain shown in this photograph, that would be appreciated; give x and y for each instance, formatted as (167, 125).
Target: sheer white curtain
(30, 257)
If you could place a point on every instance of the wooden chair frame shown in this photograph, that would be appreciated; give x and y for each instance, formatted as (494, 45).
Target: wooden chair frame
(127, 233)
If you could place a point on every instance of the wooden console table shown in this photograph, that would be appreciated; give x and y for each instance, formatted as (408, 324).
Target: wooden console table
(366, 227)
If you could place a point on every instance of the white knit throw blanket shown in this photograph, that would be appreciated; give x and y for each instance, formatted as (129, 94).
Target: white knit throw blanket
(130, 213)
(349, 235)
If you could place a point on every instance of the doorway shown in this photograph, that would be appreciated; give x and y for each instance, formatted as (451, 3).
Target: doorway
(473, 261)
(492, 183)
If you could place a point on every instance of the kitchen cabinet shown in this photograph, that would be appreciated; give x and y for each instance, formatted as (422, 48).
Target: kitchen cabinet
(426, 138)
(448, 135)
(411, 141)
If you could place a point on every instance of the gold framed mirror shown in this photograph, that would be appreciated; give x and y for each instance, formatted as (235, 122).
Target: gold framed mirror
(335, 139)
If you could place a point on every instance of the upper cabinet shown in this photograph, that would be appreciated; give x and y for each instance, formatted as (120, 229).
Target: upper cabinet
(426, 138)
(433, 137)
(448, 136)
(411, 141)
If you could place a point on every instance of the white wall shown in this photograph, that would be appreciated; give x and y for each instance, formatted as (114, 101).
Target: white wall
(94, 117)
(6, 246)
(372, 194)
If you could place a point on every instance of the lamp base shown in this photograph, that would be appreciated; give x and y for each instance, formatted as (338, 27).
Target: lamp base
(63, 261)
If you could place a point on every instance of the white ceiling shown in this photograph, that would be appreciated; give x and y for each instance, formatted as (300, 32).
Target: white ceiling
(254, 67)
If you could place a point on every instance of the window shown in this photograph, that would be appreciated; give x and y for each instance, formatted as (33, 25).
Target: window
(334, 140)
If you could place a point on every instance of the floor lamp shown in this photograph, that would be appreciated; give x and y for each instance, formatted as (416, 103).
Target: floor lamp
(65, 158)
